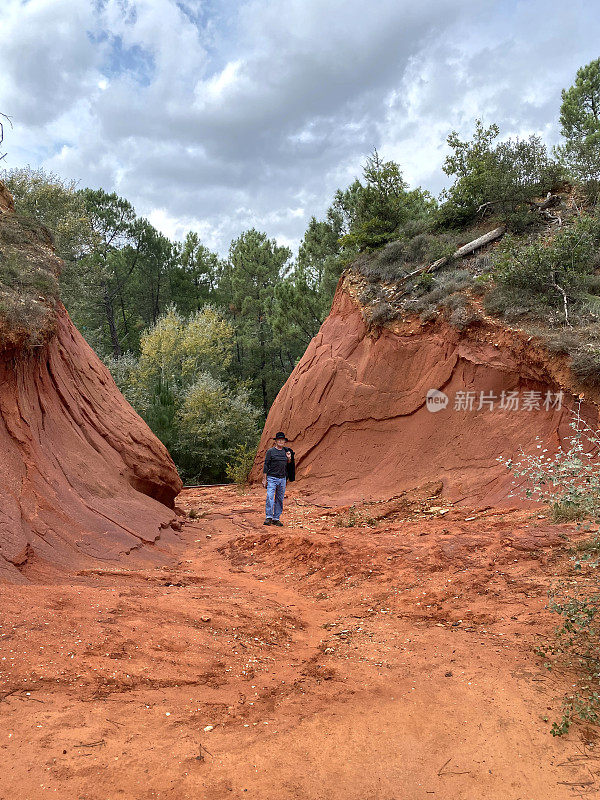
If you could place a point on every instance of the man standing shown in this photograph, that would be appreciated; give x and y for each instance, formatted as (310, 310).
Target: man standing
(279, 466)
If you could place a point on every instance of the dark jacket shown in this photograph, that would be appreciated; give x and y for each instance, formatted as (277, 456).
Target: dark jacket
(290, 466)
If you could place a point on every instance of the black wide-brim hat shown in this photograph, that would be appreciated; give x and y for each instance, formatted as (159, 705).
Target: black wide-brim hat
(281, 435)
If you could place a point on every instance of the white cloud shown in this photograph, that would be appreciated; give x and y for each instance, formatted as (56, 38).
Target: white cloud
(46, 58)
(221, 116)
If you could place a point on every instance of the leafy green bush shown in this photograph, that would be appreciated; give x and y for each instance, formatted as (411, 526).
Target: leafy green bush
(500, 178)
(238, 469)
(576, 641)
(569, 480)
(212, 422)
(547, 274)
(176, 385)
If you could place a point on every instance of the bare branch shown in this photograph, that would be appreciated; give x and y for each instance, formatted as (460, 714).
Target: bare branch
(564, 297)
(9, 120)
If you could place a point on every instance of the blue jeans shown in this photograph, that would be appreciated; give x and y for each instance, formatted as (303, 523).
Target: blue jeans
(275, 495)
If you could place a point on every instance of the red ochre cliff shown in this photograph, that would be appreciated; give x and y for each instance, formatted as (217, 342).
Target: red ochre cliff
(354, 408)
(83, 480)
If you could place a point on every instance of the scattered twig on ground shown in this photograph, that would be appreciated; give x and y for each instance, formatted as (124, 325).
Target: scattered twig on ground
(576, 783)
(442, 772)
(444, 765)
(99, 743)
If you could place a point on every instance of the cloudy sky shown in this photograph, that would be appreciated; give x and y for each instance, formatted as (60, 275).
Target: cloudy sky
(216, 116)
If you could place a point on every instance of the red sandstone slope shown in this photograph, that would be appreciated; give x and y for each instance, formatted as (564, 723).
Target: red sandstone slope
(354, 408)
(82, 477)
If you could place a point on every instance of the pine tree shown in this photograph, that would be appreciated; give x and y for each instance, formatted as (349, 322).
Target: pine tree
(195, 279)
(256, 264)
(580, 125)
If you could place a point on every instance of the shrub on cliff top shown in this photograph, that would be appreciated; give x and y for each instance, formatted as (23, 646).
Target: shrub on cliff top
(556, 273)
(433, 290)
(496, 177)
(373, 211)
(28, 282)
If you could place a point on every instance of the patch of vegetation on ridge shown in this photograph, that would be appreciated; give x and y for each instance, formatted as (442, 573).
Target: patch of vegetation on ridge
(545, 281)
(29, 289)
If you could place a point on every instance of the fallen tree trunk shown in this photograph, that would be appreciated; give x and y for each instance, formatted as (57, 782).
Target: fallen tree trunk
(463, 251)
(466, 249)
(550, 201)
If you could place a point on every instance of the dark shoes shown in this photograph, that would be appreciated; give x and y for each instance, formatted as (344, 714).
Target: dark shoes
(268, 521)
(277, 522)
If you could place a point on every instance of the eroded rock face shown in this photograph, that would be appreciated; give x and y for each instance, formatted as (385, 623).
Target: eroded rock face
(6, 201)
(82, 477)
(355, 409)
(83, 480)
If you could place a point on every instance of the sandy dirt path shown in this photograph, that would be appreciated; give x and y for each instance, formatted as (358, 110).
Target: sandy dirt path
(391, 662)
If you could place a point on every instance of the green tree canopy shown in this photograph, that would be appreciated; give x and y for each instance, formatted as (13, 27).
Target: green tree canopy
(178, 348)
(178, 386)
(214, 422)
(256, 265)
(501, 177)
(303, 297)
(372, 212)
(129, 269)
(195, 279)
(580, 125)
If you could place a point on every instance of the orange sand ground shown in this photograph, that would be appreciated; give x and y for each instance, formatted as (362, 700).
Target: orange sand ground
(392, 662)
